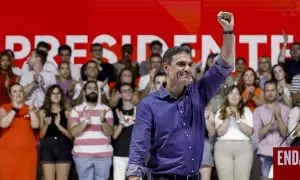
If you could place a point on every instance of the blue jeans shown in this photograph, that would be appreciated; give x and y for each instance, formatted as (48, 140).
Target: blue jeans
(265, 164)
(93, 168)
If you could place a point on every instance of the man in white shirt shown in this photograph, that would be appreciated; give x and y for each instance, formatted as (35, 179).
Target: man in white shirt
(48, 65)
(155, 48)
(37, 80)
(91, 73)
(155, 64)
(65, 53)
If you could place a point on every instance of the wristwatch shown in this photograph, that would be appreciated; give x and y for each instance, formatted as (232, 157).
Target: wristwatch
(228, 32)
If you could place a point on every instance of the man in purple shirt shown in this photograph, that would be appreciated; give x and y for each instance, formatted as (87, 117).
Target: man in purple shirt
(170, 122)
(270, 127)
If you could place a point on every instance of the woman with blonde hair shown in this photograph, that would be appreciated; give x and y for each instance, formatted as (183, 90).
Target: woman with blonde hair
(283, 87)
(66, 82)
(234, 127)
(264, 70)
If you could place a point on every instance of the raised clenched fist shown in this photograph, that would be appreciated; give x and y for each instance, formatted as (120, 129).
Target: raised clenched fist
(226, 20)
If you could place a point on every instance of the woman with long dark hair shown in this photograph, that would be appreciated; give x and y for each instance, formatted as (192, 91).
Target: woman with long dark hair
(56, 141)
(283, 87)
(264, 70)
(249, 86)
(234, 127)
(7, 77)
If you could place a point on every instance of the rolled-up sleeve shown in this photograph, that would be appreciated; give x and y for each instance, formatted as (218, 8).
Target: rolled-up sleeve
(213, 78)
(140, 141)
(257, 125)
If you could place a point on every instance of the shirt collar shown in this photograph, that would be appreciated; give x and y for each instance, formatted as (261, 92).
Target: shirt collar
(163, 92)
(98, 105)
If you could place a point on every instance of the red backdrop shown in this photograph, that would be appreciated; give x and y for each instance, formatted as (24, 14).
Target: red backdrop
(115, 22)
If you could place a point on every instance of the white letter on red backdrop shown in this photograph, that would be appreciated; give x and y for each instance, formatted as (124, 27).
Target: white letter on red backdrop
(279, 158)
(141, 45)
(10, 41)
(208, 45)
(126, 39)
(54, 43)
(179, 39)
(109, 40)
(71, 40)
(253, 41)
(276, 40)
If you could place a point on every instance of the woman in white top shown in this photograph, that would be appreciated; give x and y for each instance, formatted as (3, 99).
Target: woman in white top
(233, 149)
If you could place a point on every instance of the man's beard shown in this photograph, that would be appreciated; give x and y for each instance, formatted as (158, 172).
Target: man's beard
(269, 101)
(92, 97)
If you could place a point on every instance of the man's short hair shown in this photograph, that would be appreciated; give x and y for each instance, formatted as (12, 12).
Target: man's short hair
(83, 68)
(89, 62)
(186, 44)
(95, 45)
(240, 58)
(168, 56)
(125, 46)
(89, 82)
(43, 44)
(124, 84)
(64, 47)
(159, 74)
(155, 55)
(295, 44)
(42, 55)
(12, 85)
(270, 82)
(156, 42)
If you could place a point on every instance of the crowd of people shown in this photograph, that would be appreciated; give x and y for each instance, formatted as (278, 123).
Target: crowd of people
(65, 119)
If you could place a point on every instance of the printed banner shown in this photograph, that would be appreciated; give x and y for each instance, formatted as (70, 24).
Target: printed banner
(258, 26)
(286, 163)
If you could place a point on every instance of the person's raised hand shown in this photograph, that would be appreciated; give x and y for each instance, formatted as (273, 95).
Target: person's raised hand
(226, 20)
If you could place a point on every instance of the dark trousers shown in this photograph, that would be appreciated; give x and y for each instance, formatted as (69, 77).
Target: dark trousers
(174, 177)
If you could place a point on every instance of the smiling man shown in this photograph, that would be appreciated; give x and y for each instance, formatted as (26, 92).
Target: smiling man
(170, 122)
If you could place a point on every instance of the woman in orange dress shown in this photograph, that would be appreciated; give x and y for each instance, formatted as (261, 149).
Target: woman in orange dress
(7, 76)
(18, 146)
(249, 86)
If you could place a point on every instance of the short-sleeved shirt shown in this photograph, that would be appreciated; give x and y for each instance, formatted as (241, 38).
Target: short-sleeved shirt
(37, 94)
(92, 141)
